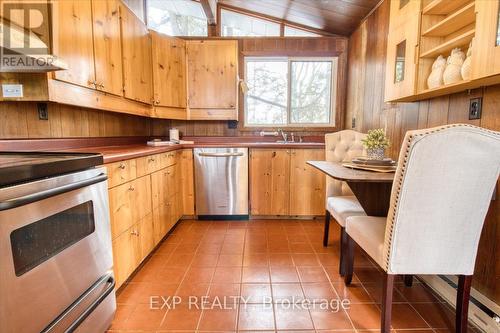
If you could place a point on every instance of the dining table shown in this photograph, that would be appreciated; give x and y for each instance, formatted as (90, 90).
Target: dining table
(371, 188)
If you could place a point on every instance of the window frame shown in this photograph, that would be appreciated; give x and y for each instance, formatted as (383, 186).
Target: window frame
(333, 92)
(219, 23)
(147, 23)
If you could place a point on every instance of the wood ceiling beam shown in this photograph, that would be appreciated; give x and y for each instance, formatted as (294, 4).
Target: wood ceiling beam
(210, 9)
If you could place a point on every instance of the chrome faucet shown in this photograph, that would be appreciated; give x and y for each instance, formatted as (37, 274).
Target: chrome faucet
(283, 135)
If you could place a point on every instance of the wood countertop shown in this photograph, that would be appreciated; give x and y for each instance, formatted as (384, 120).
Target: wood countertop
(128, 148)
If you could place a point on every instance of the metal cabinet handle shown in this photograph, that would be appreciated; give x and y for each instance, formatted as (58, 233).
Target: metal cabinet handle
(134, 232)
(220, 154)
(122, 166)
(131, 188)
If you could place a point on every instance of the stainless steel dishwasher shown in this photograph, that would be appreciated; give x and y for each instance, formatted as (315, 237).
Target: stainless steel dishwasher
(221, 182)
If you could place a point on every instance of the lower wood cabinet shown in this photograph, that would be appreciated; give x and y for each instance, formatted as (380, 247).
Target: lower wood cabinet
(146, 199)
(281, 183)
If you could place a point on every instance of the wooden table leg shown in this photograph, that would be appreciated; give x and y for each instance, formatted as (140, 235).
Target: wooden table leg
(374, 197)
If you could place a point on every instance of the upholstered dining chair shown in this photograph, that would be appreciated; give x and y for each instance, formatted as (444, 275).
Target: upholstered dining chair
(441, 193)
(340, 201)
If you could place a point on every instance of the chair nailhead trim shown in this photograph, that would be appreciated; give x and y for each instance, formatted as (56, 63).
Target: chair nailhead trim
(400, 173)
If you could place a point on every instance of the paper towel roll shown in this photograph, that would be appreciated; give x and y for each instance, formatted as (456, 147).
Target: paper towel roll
(174, 134)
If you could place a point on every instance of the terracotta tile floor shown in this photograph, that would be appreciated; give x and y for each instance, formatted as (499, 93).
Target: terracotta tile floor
(268, 263)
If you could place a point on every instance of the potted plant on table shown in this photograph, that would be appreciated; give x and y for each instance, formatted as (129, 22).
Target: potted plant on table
(375, 143)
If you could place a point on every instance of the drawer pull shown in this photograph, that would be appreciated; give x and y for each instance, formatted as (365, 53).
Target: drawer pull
(152, 159)
(134, 232)
(121, 166)
(131, 188)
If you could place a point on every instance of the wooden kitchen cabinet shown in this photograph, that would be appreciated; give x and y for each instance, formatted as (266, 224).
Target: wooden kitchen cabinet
(281, 183)
(486, 51)
(212, 79)
(107, 46)
(145, 233)
(307, 185)
(402, 51)
(187, 182)
(269, 181)
(128, 203)
(125, 249)
(73, 41)
(121, 172)
(137, 61)
(169, 71)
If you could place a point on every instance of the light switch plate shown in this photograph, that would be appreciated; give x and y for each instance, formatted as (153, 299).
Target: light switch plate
(12, 90)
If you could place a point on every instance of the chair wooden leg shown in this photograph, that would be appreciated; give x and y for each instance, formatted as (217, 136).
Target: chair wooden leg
(388, 289)
(348, 259)
(408, 278)
(327, 228)
(342, 250)
(463, 296)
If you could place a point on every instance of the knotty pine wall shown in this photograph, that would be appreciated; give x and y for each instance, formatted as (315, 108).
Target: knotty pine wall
(365, 103)
(20, 120)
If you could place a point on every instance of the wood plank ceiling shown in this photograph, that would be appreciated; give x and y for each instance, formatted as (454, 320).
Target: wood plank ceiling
(334, 16)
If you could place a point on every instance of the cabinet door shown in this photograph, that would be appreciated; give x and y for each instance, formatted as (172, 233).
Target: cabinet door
(187, 182)
(402, 43)
(137, 64)
(486, 50)
(145, 233)
(73, 41)
(169, 70)
(269, 181)
(107, 46)
(307, 185)
(212, 74)
(125, 249)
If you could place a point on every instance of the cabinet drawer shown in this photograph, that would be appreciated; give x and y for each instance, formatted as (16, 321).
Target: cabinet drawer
(169, 158)
(148, 164)
(121, 172)
(128, 203)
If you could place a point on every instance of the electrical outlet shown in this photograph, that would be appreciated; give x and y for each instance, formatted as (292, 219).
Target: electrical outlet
(353, 122)
(475, 108)
(43, 112)
(232, 124)
(12, 90)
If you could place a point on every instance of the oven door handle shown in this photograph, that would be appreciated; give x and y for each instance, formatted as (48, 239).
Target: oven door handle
(61, 324)
(37, 196)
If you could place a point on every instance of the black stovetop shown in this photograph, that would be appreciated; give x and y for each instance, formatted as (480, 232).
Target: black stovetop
(20, 167)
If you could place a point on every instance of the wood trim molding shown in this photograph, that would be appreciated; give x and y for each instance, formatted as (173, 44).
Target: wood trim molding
(166, 112)
(211, 114)
(65, 93)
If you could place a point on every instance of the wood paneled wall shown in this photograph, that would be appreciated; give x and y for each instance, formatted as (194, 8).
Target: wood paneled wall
(20, 120)
(365, 103)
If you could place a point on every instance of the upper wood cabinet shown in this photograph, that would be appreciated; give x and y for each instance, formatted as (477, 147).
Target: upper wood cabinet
(486, 56)
(402, 52)
(107, 46)
(212, 79)
(169, 70)
(137, 62)
(73, 41)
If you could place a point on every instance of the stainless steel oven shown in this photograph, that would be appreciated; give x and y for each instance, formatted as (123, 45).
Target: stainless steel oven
(56, 255)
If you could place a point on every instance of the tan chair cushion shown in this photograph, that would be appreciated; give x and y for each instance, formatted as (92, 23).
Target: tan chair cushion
(342, 207)
(369, 233)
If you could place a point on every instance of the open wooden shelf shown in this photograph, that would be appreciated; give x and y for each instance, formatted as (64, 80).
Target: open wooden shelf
(444, 7)
(454, 22)
(446, 47)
